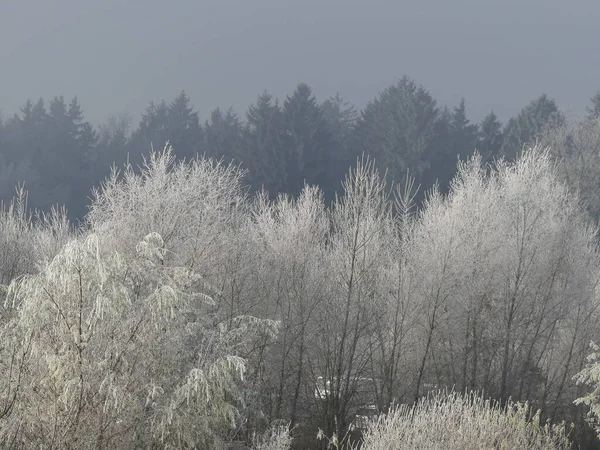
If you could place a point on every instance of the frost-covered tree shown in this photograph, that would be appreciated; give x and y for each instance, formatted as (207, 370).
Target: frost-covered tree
(139, 332)
(120, 352)
(290, 236)
(197, 207)
(590, 376)
(357, 245)
(508, 269)
(394, 337)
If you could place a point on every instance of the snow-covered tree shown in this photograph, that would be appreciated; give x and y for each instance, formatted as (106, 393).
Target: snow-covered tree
(508, 271)
(120, 352)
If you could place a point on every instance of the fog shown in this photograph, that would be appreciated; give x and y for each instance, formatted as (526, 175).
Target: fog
(117, 55)
(258, 225)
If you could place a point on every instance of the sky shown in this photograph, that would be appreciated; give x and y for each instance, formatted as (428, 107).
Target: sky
(118, 55)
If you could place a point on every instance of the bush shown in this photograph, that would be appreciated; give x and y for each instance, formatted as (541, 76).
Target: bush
(452, 422)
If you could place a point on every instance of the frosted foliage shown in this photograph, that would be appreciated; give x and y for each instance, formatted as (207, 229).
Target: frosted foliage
(275, 438)
(506, 261)
(196, 206)
(109, 352)
(455, 422)
(28, 240)
(590, 375)
(361, 280)
(289, 235)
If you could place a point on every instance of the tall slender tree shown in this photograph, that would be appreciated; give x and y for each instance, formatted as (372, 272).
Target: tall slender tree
(307, 141)
(264, 136)
(490, 137)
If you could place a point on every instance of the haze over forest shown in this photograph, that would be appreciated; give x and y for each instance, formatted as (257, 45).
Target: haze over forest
(116, 55)
(333, 225)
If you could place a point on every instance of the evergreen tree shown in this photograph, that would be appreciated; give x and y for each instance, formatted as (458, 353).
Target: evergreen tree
(464, 133)
(176, 123)
(223, 136)
(529, 125)
(184, 131)
(439, 155)
(60, 149)
(64, 163)
(264, 136)
(33, 132)
(341, 117)
(113, 140)
(594, 110)
(490, 137)
(152, 132)
(398, 129)
(307, 142)
(2, 138)
(460, 137)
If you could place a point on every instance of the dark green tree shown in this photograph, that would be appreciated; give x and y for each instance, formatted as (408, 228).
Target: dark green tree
(456, 137)
(529, 125)
(307, 141)
(64, 163)
(341, 118)
(2, 138)
(440, 155)
(32, 133)
(16, 164)
(152, 132)
(113, 141)
(490, 137)
(264, 136)
(463, 132)
(184, 130)
(224, 136)
(398, 129)
(594, 110)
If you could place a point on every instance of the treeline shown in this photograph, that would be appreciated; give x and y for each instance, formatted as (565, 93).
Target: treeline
(60, 156)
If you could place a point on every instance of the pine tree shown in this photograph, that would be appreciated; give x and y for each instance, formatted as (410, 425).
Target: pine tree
(341, 117)
(223, 136)
(490, 137)
(307, 141)
(398, 129)
(461, 137)
(264, 136)
(152, 131)
(184, 130)
(463, 131)
(529, 125)
(594, 110)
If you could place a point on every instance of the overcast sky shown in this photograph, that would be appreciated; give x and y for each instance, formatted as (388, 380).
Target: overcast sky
(117, 55)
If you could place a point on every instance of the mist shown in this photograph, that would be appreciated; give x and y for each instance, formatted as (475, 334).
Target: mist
(116, 56)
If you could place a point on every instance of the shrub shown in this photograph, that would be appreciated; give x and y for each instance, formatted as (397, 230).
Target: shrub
(453, 422)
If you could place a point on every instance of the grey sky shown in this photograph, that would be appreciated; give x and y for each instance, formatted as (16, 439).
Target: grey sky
(117, 55)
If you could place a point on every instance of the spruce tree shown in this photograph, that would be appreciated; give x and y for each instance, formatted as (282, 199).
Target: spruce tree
(490, 137)
(529, 125)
